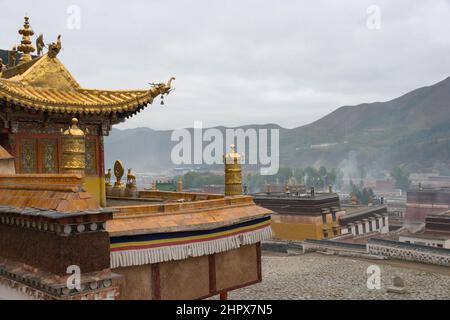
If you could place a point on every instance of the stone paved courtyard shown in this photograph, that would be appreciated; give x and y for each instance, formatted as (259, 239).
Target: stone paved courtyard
(316, 276)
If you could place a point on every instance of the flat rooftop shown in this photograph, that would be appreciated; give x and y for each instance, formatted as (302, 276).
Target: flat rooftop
(305, 205)
(293, 197)
(314, 276)
(427, 235)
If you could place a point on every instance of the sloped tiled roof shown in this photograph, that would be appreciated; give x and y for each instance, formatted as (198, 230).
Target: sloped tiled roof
(176, 217)
(59, 192)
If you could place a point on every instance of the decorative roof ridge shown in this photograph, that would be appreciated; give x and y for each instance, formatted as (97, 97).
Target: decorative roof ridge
(40, 61)
(143, 91)
(19, 69)
(180, 208)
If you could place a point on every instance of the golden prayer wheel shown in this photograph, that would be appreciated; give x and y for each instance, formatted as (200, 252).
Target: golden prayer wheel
(74, 149)
(233, 173)
(180, 184)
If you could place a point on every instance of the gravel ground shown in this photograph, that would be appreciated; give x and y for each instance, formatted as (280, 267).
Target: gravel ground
(316, 276)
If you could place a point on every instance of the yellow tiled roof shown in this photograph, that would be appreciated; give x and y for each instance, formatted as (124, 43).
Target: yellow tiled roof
(176, 217)
(46, 85)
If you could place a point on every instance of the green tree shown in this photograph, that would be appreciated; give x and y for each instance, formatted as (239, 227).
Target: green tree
(401, 177)
(312, 177)
(363, 195)
(299, 175)
(190, 179)
(339, 181)
(284, 174)
(332, 176)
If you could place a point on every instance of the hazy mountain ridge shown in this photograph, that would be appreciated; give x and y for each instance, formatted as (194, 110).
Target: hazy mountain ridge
(413, 129)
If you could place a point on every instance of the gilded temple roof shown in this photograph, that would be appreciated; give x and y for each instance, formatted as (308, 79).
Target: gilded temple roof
(44, 84)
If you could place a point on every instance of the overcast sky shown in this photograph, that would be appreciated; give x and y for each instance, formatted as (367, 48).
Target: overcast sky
(248, 61)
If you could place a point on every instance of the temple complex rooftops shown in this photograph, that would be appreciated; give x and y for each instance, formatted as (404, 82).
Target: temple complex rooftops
(355, 213)
(423, 202)
(435, 233)
(429, 196)
(300, 205)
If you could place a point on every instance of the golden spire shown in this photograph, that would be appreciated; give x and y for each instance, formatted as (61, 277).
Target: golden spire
(25, 45)
(233, 174)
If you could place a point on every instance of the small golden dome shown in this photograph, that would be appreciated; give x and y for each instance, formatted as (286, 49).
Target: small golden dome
(232, 156)
(74, 130)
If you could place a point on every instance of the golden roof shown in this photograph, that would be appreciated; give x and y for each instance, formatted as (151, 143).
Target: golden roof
(44, 84)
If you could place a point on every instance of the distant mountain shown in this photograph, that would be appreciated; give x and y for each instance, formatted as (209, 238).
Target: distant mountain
(413, 130)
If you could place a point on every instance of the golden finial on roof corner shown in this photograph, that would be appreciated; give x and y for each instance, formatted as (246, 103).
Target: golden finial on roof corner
(25, 45)
(54, 48)
(163, 88)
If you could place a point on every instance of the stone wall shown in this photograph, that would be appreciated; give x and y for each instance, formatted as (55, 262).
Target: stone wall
(409, 252)
(324, 245)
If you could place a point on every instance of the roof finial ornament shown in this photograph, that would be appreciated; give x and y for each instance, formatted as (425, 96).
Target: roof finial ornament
(54, 48)
(25, 45)
(162, 88)
(2, 67)
(12, 57)
(40, 45)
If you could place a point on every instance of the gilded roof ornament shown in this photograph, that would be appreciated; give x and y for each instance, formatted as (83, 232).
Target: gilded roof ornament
(232, 156)
(25, 45)
(2, 67)
(108, 176)
(54, 48)
(40, 45)
(162, 88)
(119, 170)
(74, 130)
(12, 57)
